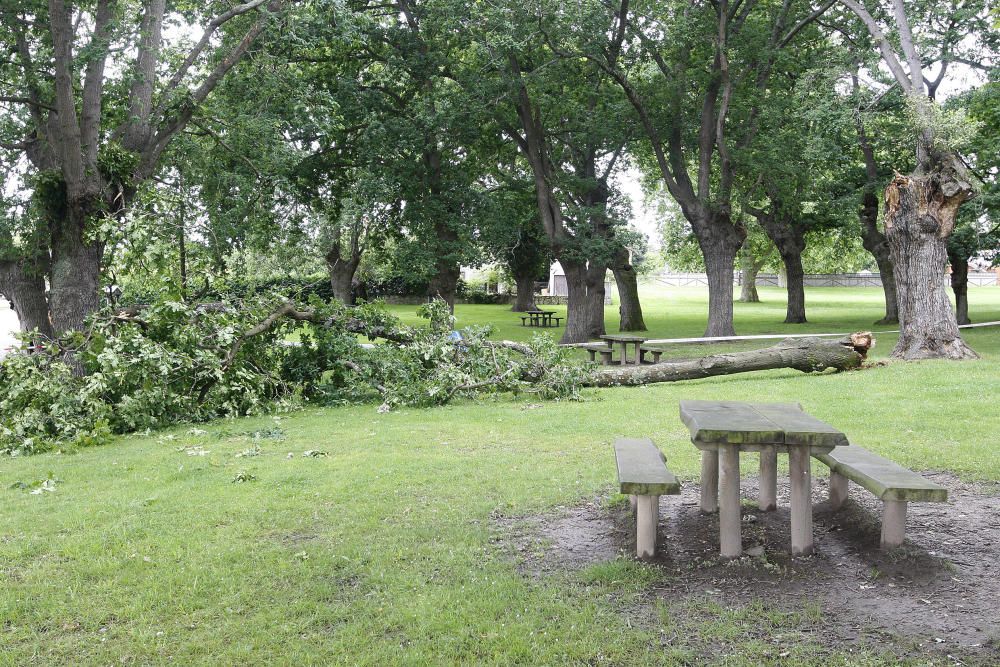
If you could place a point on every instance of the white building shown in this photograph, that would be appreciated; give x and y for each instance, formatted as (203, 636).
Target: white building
(8, 326)
(558, 287)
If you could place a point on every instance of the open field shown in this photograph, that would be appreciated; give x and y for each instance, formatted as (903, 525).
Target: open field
(681, 313)
(424, 536)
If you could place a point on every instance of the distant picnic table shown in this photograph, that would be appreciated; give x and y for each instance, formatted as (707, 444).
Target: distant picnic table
(623, 341)
(540, 318)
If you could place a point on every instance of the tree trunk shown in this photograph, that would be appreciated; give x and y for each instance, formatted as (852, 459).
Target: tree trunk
(920, 215)
(748, 284)
(808, 355)
(74, 283)
(960, 286)
(791, 257)
(585, 303)
(719, 248)
(342, 280)
(444, 283)
(25, 289)
(629, 307)
(749, 268)
(875, 242)
(525, 298)
(790, 240)
(181, 243)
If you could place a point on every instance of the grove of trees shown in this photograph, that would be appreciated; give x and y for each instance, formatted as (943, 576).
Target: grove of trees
(176, 149)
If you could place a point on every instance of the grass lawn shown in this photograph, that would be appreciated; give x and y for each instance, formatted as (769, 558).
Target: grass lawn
(389, 550)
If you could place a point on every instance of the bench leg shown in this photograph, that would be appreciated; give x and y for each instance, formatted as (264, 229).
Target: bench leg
(768, 499)
(730, 537)
(656, 357)
(593, 354)
(633, 503)
(709, 481)
(646, 517)
(800, 500)
(605, 357)
(838, 490)
(893, 523)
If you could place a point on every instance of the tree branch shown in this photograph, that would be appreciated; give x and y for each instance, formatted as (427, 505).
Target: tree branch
(909, 49)
(206, 37)
(28, 101)
(819, 11)
(136, 131)
(93, 83)
(172, 126)
(219, 140)
(68, 145)
(889, 56)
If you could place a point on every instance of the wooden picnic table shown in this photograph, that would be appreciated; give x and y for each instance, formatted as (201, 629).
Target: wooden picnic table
(539, 318)
(721, 429)
(624, 340)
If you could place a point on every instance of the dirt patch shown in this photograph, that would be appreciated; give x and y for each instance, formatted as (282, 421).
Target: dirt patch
(939, 595)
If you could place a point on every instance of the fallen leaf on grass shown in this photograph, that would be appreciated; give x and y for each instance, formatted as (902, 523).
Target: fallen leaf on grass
(314, 453)
(37, 487)
(250, 451)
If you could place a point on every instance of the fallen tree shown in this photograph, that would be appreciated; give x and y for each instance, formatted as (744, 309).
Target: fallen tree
(809, 355)
(172, 362)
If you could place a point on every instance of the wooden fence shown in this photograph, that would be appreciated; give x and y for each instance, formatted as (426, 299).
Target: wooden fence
(976, 279)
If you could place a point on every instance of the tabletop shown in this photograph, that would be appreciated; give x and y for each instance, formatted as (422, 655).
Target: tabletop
(740, 423)
(624, 338)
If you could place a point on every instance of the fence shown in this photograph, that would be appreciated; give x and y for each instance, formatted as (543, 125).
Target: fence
(976, 279)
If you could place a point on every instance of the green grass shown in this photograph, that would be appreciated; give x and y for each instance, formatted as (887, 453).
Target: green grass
(681, 313)
(386, 551)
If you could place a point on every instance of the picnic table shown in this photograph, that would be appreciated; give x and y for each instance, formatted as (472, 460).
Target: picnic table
(722, 429)
(624, 340)
(540, 318)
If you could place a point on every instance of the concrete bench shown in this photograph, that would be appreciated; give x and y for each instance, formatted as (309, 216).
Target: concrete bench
(598, 348)
(893, 484)
(655, 351)
(643, 475)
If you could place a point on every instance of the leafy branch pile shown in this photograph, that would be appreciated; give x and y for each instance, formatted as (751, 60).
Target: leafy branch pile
(173, 362)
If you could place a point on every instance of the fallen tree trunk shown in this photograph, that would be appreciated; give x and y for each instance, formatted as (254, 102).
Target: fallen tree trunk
(808, 355)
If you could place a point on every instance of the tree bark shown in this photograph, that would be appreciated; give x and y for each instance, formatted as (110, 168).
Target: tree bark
(524, 300)
(444, 283)
(790, 240)
(960, 286)
(627, 280)
(24, 287)
(875, 242)
(342, 280)
(791, 256)
(74, 280)
(808, 355)
(749, 268)
(341, 268)
(748, 286)
(719, 245)
(585, 303)
(920, 215)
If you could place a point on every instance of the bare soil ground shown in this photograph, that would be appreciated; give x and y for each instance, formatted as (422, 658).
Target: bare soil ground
(936, 598)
